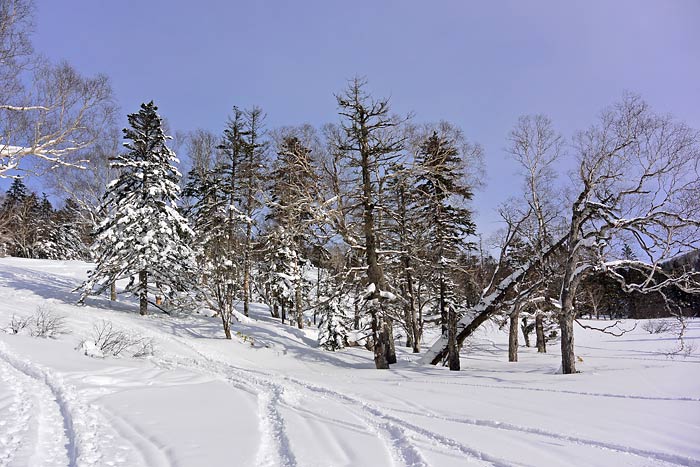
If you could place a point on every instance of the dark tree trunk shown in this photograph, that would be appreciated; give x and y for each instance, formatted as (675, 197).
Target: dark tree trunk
(513, 334)
(568, 359)
(539, 331)
(453, 352)
(143, 297)
(527, 328)
(284, 313)
(380, 342)
(275, 311)
(297, 299)
(391, 349)
(113, 291)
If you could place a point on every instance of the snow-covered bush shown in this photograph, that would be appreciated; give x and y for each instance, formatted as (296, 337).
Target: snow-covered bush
(43, 323)
(106, 340)
(17, 324)
(46, 323)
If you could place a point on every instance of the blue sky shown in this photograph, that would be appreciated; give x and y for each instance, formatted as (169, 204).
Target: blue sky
(477, 64)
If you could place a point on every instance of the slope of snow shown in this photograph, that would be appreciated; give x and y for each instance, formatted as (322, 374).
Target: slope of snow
(271, 397)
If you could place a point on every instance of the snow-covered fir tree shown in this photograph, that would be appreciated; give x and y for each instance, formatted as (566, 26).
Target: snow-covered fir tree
(293, 188)
(219, 224)
(143, 236)
(443, 192)
(334, 325)
(285, 274)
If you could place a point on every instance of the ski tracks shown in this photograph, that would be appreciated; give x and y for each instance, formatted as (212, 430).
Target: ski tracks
(653, 456)
(68, 430)
(274, 450)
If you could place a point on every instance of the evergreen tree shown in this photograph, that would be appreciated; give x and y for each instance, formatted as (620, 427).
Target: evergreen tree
(333, 327)
(443, 193)
(143, 233)
(293, 190)
(220, 224)
(15, 194)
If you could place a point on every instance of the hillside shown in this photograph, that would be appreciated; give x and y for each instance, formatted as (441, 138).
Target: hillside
(270, 397)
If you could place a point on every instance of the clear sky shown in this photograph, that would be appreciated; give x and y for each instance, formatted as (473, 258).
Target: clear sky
(477, 64)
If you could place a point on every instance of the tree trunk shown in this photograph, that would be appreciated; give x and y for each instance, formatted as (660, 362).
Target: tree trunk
(391, 349)
(526, 332)
(246, 280)
(568, 359)
(539, 331)
(227, 326)
(284, 313)
(143, 296)
(113, 291)
(380, 342)
(275, 311)
(297, 299)
(453, 352)
(513, 334)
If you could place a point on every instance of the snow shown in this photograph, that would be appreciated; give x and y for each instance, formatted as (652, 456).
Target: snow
(271, 397)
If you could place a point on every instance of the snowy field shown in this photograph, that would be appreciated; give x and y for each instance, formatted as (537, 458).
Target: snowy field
(270, 397)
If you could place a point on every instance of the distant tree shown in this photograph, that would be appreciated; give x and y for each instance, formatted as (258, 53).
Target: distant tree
(143, 232)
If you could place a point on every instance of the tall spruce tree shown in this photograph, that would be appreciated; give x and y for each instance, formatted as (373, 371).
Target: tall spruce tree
(293, 190)
(143, 234)
(443, 192)
(219, 223)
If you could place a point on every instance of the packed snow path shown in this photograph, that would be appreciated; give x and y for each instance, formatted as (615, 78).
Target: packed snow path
(269, 397)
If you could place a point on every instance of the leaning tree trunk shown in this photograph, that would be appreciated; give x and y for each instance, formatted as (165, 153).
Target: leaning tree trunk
(143, 296)
(539, 331)
(513, 334)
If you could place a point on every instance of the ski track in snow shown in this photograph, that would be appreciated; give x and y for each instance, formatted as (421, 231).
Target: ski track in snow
(391, 430)
(275, 449)
(667, 458)
(54, 446)
(563, 391)
(83, 432)
(37, 432)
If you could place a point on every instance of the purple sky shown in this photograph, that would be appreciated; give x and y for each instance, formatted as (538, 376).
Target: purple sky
(477, 64)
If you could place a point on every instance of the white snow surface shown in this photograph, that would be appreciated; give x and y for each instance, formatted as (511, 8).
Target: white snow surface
(271, 397)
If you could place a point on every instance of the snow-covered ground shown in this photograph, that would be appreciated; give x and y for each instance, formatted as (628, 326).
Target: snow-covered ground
(270, 397)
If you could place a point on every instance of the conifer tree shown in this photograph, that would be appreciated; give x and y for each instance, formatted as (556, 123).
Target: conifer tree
(443, 192)
(143, 234)
(333, 327)
(293, 193)
(368, 143)
(219, 223)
